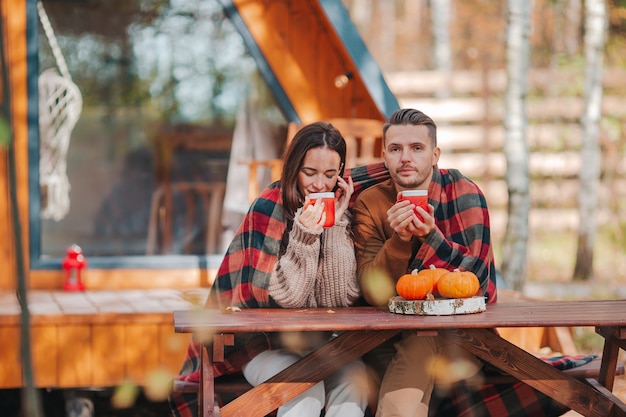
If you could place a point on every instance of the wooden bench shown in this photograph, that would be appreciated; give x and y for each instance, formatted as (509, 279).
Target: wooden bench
(536, 339)
(231, 386)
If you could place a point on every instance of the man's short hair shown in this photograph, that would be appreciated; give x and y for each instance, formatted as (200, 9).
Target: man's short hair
(411, 117)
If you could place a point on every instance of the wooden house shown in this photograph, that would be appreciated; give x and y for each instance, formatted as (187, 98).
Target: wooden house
(316, 66)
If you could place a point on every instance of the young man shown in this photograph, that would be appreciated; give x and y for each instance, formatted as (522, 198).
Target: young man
(390, 238)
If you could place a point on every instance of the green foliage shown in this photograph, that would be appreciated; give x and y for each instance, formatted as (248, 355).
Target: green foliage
(613, 129)
(171, 61)
(5, 132)
(5, 119)
(615, 52)
(587, 341)
(552, 255)
(614, 236)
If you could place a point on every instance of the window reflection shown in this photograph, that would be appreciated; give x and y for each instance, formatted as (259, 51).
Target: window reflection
(161, 84)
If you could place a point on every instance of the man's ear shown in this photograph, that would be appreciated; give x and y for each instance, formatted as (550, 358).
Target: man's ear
(436, 154)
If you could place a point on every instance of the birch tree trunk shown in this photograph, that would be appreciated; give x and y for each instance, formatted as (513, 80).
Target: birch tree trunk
(589, 176)
(442, 51)
(515, 148)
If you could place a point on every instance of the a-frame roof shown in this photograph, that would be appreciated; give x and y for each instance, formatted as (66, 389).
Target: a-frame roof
(301, 47)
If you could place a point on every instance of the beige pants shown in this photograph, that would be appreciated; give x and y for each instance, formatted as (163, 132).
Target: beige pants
(408, 382)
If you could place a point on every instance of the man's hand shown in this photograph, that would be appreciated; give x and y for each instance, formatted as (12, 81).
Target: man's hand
(403, 220)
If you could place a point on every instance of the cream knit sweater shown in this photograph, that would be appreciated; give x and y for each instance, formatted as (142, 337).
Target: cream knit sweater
(318, 269)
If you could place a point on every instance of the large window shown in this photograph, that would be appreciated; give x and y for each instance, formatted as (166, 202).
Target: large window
(161, 84)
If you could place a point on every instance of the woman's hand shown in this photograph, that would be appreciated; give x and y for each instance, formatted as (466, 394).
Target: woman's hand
(342, 196)
(312, 216)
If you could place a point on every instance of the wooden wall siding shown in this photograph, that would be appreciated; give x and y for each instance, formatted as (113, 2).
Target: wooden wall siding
(97, 339)
(306, 55)
(14, 15)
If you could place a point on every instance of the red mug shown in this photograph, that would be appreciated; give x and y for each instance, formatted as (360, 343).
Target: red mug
(417, 197)
(329, 206)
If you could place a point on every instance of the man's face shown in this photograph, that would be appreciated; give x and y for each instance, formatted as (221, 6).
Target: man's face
(410, 156)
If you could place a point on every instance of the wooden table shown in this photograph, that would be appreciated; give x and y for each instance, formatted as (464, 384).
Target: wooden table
(364, 328)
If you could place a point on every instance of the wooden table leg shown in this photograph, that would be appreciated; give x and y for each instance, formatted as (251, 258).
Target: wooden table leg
(509, 358)
(268, 396)
(206, 392)
(614, 338)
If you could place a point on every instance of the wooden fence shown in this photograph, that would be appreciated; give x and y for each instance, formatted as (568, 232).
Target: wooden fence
(471, 135)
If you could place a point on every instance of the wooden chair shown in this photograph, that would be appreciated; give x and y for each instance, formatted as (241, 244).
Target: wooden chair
(195, 190)
(195, 196)
(254, 184)
(534, 339)
(364, 139)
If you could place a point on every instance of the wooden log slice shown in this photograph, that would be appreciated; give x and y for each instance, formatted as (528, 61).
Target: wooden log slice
(437, 307)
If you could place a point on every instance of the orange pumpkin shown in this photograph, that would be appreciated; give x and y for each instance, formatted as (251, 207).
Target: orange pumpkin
(414, 286)
(458, 284)
(435, 273)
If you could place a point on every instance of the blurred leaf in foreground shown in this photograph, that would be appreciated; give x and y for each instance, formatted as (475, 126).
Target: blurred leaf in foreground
(125, 395)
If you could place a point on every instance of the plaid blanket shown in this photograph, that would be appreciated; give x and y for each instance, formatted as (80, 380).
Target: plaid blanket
(242, 280)
(464, 241)
(243, 277)
(503, 400)
(244, 273)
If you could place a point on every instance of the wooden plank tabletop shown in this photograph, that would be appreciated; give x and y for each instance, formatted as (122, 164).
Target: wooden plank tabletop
(510, 314)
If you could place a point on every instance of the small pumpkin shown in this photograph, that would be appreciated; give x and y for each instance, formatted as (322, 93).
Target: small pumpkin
(414, 286)
(435, 273)
(458, 284)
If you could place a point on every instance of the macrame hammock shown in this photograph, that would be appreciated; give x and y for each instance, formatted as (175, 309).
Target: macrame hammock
(60, 105)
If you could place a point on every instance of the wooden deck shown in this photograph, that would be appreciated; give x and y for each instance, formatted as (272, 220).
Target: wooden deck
(104, 338)
(95, 338)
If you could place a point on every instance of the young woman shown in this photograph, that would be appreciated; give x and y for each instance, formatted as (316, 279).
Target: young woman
(282, 256)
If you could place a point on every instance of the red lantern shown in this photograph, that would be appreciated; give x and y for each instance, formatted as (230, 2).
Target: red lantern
(73, 263)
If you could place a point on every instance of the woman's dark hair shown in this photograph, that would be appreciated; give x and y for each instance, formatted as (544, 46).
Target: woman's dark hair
(411, 117)
(314, 135)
